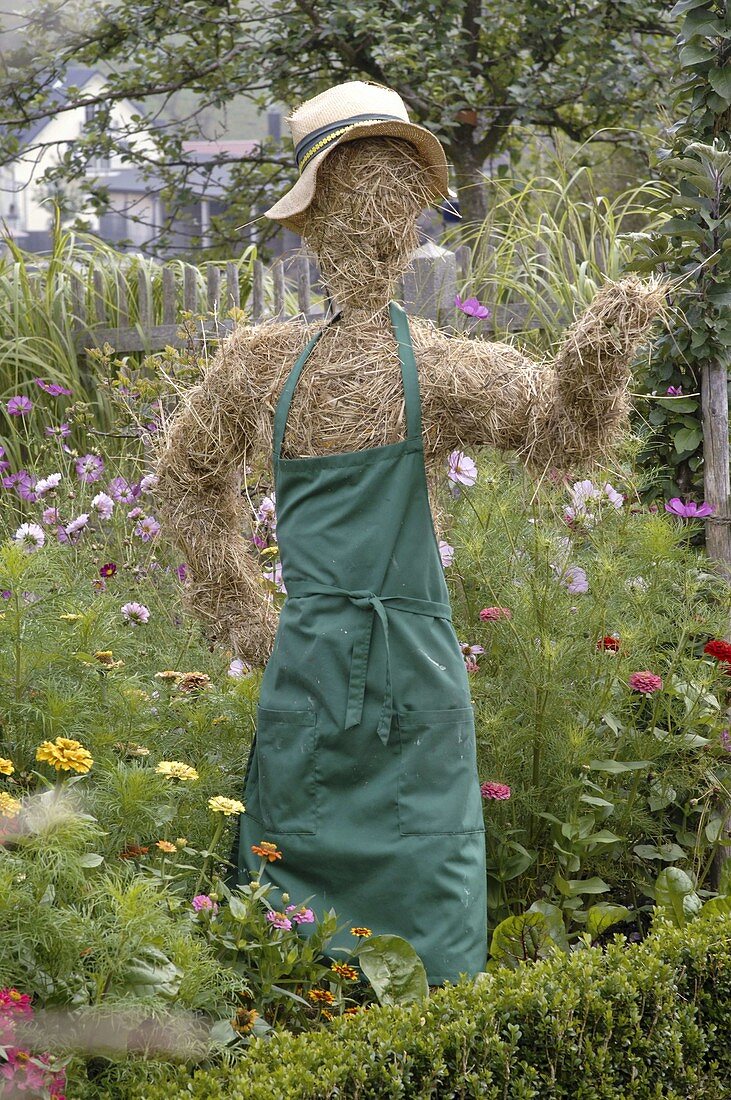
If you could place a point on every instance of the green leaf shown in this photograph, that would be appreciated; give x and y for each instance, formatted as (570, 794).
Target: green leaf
(717, 907)
(661, 795)
(678, 404)
(720, 81)
(522, 938)
(666, 852)
(554, 922)
(615, 767)
(592, 800)
(90, 859)
(237, 908)
(686, 5)
(695, 53)
(394, 970)
(687, 439)
(675, 895)
(574, 887)
(602, 916)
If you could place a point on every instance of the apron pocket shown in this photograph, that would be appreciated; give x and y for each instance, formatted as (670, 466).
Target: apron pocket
(286, 767)
(438, 788)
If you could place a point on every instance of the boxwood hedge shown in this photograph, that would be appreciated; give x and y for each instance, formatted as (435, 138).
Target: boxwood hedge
(642, 1020)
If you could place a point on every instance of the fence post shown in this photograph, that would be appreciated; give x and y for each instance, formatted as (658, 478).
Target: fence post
(430, 283)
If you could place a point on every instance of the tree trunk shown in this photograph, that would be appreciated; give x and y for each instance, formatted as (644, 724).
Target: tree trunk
(468, 159)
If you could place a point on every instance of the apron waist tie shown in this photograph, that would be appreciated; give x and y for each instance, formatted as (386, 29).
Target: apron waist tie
(361, 648)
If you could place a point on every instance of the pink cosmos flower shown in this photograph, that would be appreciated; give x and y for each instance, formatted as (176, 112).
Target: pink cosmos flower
(135, 613)
(103, 505)
(446, 553)
(472, 307)
(182, 571)
(4, 464)
(495, 790)
(61, 431)
(575, 579)
(148, 483)
(74, 529)
(120, 490)
(645, 682)
(301, 915)
(31, 536)
(20, 405)
(470, 664)
(674, 391)
(147, 528)
(470, 650)
(89, 468)
(279, 920)
(51, 516)
(53, 388)
(726, 740)
(238, 669)
(267, 513)
(202, 902)
(461, 469)
(689, 510)
(135, 513)
(46, 485)
(493, 614)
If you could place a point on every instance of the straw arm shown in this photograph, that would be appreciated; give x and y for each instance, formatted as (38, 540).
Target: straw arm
(203, 512)
(561, 413)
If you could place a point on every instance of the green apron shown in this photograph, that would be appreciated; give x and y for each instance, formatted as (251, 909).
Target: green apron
(363, 767)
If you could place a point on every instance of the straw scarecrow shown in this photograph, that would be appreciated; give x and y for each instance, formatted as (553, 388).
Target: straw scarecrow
(363, 765)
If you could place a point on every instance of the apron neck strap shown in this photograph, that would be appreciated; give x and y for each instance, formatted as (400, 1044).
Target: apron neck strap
(409, 377)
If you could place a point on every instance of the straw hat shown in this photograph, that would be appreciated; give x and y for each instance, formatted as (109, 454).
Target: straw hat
(352, 110)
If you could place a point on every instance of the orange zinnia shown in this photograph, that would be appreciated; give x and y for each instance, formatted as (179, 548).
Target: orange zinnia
(266, 850)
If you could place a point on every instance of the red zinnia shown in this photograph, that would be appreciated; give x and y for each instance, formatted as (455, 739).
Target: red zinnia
(719, 649)
(608, 642)
(495, 790)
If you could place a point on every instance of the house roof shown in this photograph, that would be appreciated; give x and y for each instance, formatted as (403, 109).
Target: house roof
(77, 76)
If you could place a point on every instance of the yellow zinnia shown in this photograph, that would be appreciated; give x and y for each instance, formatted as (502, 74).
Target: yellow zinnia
(166, 846)
(227, 806)
(174, 769)
(6, 766)
(9, 806)
(65, 754)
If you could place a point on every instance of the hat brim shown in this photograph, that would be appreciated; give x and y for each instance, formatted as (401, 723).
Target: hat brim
(290, 209)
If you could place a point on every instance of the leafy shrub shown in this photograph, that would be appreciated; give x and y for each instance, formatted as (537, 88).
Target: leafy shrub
(646, 1021)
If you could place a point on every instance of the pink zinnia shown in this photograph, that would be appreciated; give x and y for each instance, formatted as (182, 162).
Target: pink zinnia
(495, 790)
(645, 682)
(301, 915)
(202, 902)
(279, 920)
(493, 614)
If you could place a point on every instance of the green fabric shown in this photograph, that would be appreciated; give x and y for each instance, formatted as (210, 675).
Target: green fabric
(363, 768)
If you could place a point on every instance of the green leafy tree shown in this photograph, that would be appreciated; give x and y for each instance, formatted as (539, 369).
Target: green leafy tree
(691, 423)
(467, 69)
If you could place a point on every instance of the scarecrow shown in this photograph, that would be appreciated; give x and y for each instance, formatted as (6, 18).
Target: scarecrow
(363, 770)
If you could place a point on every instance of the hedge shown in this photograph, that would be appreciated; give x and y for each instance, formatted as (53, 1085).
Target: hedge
(648, 1020)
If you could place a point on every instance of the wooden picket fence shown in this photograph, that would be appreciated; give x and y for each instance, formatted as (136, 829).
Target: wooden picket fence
(290, 287)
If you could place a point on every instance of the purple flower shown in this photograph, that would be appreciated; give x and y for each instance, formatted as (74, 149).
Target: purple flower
(674, 391)
(19, 405)
(472, 307)
(6, 594)
(446, 553)
(4, 464)
(238, 669)
(470, 650)
(103, 505)
(72, 530)
(301, 915)
(22, 482)
(147, 528)
(267, 513)
(202, 902)
(182, 571)
(461, 469)
(135, 613)
(279, 920)
(51, 516)
(120, 490)
(726, 740)
(30, 536)
(689, 510)
(89, 468)
(52, 387)
(61, 431)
